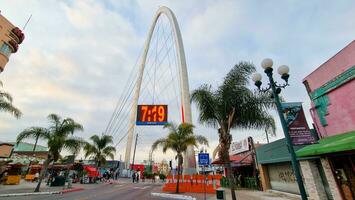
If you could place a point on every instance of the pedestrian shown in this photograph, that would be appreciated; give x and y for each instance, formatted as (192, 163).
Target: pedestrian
(133, 176)
(153, 178)
(137, 176)
(239, 177)
(117, 174)
(36, 177)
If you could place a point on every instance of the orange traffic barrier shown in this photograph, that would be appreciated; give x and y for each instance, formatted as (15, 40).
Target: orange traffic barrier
(195, 184)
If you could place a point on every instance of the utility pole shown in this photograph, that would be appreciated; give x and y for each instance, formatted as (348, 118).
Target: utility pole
(151, 161)
(267, 136)
(134, 152)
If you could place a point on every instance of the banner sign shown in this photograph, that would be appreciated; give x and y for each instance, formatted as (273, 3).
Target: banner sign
(297, 125)
(239, 147)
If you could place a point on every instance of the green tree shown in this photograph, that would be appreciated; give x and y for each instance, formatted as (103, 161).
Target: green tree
(59, 136)
(100, 149)
(6, 104)
(178, 139)
(233, 105)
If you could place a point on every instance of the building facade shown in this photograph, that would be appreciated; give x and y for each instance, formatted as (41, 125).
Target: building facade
(10, 38)
(275, 168)
(26, 151)
(331, 90)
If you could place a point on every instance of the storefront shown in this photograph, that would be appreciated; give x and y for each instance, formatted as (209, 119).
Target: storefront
(242, 157)
(274, 163)
(337, 153)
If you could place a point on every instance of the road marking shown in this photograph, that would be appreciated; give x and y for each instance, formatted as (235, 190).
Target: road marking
(116, 186)
(142, 188)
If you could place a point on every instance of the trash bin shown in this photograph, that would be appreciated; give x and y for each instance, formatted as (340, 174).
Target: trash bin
(220, 194)
(58, 181)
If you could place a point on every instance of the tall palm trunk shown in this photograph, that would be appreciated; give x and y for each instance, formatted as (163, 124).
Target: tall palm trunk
(230, 174)
(225, 141)
(33, 152)
(97, 170)
(43, 172)
(178, 172)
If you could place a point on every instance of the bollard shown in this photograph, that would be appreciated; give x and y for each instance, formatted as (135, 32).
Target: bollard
(220, 194)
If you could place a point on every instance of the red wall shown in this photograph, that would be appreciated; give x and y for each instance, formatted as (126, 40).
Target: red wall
(139, 167)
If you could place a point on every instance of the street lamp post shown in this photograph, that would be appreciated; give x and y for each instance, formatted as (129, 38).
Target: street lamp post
(276, 90)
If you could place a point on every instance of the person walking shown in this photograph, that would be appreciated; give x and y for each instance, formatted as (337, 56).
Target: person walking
(36, 177)
(117, 173)
(137, 176)
(133, 176)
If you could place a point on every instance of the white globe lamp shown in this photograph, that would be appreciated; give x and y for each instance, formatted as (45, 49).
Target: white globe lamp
(283, 69)
(267, 63)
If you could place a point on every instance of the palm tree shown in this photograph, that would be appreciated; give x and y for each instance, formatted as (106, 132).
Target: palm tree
(100, 149)
(6, 104)
(59, 136)
(32, 132)
(233, 105)
(178, 139)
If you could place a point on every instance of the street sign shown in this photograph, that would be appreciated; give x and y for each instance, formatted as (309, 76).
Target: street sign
(203, 159)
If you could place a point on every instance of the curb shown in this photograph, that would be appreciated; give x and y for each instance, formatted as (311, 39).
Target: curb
(173, 196)
(71, 190)
(29, 194)
(284, 193)
(41, 193)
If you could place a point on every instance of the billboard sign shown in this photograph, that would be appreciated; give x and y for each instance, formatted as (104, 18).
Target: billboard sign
(297, 125)
(239, 146)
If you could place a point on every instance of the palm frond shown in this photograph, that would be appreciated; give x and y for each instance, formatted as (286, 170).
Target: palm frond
(239, 75)
(55, 119)
(160, 142)
(6, 96)
(171, 127)
(32, 132)
(74, 144)
(207, 104)
(201, 139)
(109, 150)
(180, 139)
(8, 107)
(89, 150)
(95, 139)
(185, 129)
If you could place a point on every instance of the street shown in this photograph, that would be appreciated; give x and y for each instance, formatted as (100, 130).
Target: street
(103, 191)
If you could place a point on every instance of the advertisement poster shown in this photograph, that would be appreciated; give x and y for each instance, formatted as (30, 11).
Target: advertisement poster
(297, 125)
(239, 147)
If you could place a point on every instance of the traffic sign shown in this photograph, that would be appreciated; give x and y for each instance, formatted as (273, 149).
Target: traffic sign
(203, 159)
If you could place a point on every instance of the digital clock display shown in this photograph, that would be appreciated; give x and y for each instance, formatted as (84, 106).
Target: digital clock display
(152, 114)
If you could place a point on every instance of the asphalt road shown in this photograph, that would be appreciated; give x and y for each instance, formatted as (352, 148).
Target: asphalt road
(123, 191)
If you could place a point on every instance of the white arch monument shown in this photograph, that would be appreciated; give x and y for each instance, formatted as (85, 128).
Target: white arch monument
(189, 157)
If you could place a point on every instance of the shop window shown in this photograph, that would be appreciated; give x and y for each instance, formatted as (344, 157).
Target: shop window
(5, 49)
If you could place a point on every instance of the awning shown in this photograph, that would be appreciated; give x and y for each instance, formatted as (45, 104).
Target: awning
(236, 160)
(92, 171)
(332, 144)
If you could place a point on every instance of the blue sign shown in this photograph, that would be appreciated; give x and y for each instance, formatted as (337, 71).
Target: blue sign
(203, 159)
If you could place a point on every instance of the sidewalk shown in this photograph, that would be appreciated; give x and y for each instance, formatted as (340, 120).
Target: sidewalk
(29, 187)
(256, 195)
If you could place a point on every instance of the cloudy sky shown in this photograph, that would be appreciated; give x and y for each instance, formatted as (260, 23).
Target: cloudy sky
(77, 55)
